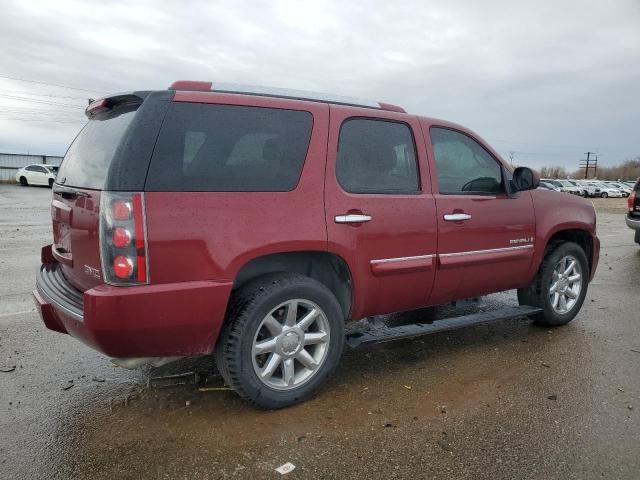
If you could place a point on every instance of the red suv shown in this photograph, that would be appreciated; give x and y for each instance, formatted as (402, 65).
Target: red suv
(251, 223)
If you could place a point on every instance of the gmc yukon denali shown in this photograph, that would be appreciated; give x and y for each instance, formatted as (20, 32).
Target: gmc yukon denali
(251, 223)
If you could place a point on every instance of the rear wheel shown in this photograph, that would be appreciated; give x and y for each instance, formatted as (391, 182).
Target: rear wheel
(282, 338)
(604, 195)
(23, 181)
(560, 286)
(637, 237)
(51, 183)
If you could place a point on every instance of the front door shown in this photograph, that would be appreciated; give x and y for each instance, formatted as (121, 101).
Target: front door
(485, 237)
(380, 213)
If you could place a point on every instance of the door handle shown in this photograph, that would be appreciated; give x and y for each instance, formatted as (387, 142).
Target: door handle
(456, 217)
(353, 218)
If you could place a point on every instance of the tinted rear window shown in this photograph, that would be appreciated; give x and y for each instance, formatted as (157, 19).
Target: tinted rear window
(228, 148)
(87, 161)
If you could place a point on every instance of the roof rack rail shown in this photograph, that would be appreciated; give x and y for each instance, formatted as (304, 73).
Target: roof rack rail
(281, 93)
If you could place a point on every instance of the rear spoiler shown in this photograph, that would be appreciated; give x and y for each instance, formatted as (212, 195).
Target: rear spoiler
(105, 104)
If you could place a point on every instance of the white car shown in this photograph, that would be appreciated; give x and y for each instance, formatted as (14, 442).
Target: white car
(569, 187)
(625, 189)
(37, 175)
(588, 189)
(608, 191)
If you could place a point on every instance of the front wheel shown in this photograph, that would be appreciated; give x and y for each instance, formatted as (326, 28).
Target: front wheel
(23, 181)
(560, 286)
(51, 183)
(604, 195)
(282, 338)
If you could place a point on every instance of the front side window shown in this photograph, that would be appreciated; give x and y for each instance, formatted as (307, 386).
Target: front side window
(229, 148)
(377, 156)
(463, 165)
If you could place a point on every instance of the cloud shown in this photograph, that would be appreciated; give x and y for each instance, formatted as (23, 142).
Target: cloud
(546, 80)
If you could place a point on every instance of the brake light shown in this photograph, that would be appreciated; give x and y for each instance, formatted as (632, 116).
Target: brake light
(121, 209)
(122, 267)
(123, 244)
(121, 237)
(631, 199)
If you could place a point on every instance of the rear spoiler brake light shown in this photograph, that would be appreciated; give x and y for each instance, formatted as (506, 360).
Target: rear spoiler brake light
(105, 104)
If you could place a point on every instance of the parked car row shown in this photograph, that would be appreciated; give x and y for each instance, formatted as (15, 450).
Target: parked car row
(589, 188)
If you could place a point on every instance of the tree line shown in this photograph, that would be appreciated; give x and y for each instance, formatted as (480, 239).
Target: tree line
(628, 170)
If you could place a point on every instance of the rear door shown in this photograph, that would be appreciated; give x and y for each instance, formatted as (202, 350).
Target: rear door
(380, 210)
(485, 238)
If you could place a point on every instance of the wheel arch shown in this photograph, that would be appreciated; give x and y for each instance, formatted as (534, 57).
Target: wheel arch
(580, 236)
(327, 268)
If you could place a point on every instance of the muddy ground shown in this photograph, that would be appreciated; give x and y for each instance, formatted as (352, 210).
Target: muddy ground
(510, 400)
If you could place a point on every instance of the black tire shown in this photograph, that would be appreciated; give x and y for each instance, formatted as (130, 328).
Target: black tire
(604, 195)
(51, 183)
(636, 237)
(537, 294)
(23, 181)
(247, 308)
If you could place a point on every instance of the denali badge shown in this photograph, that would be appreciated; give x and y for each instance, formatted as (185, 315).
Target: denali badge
(92, 272)
(517, 241)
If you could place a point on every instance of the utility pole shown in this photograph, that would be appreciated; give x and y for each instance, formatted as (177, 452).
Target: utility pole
(588, 163)
(595, 167)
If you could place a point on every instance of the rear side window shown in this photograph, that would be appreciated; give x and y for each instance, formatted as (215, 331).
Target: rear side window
(228, 148)
(89, 157)
(377, 156)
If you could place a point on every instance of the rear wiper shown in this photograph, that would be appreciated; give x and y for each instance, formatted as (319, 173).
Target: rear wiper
(68, 193)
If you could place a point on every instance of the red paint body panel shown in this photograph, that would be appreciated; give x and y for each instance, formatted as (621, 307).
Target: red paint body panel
(76, 239)
(555, 212)
(145, 321)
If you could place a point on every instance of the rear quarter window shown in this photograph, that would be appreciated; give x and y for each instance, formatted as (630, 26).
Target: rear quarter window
(228, 148)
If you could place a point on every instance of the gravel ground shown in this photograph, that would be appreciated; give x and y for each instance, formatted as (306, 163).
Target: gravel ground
(509, 400)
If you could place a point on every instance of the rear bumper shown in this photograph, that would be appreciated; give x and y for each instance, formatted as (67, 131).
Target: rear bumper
(633, 223)
(176, 319)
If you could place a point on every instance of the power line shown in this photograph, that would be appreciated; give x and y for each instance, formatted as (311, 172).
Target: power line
(22, 92)
(35, 100)
(51, 84)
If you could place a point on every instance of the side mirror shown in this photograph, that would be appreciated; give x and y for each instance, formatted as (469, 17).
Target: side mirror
(525, 179)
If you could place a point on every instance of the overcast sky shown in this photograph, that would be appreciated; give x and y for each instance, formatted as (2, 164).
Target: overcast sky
(546, 80)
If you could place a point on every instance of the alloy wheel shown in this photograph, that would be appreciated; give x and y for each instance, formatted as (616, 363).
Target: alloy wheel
(566, 285)
(291, 344)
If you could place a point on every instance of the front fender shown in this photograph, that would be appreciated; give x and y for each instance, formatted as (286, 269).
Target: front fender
(557, 212)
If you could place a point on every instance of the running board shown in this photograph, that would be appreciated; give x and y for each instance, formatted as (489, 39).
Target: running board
(381, 333)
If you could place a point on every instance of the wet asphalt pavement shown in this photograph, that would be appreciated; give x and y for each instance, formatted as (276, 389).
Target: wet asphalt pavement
(507, 400)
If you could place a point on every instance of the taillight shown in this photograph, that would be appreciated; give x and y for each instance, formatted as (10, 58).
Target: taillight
(631, 200)
(123, 238)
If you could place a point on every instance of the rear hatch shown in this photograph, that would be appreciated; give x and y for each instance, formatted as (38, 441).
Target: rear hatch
(75, 208)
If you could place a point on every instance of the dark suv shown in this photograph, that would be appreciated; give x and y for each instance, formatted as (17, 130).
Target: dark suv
(251, 223)
(633, 213)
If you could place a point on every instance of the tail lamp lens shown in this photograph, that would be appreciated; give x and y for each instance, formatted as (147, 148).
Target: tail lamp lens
(120, 237)
(123, 244)
(122, 267)
(121, 209)
(631, 200)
